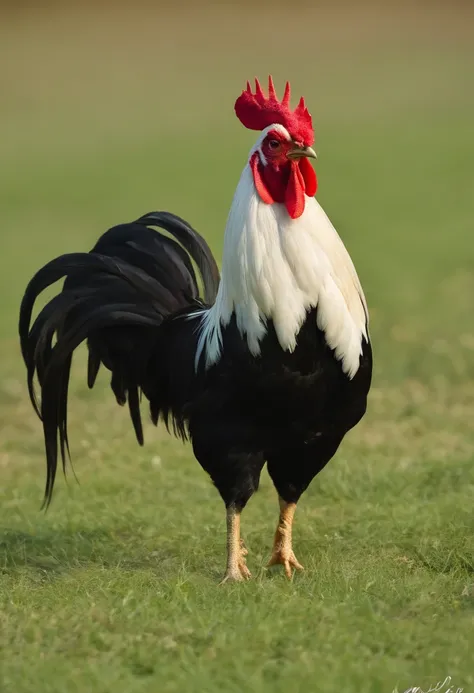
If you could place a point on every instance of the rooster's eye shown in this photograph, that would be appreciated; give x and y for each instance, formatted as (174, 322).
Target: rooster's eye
(273, 144)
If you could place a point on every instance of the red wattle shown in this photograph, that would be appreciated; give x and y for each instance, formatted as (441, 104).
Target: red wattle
(294, 195)
(287, 184)
(309, 176)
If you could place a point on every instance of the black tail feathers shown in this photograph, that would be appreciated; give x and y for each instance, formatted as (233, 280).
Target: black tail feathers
(115, 297)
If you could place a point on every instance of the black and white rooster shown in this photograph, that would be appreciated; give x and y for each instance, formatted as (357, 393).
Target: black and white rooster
(273, 364)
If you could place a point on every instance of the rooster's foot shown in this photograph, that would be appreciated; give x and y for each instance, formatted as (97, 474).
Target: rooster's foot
(287, 559)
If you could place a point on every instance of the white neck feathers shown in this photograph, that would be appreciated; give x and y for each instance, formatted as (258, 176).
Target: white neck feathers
(277, 268)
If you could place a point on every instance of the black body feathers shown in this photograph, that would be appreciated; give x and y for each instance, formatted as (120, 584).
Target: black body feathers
(117, 296)
(135, 299)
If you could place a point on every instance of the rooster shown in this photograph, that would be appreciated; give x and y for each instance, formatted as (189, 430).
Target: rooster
(269, 363)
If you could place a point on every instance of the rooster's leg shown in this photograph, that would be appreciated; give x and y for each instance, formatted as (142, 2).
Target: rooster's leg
(236, 566)
(282, 553)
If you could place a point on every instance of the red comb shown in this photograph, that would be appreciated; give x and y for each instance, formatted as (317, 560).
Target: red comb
(257, 111)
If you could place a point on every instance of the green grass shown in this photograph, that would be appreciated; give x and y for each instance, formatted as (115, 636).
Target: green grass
(115, 588)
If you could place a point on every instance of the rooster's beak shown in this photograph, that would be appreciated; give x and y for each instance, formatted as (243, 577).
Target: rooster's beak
(299, 152)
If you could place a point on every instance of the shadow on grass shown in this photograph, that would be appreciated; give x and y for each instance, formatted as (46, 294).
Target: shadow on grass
(56, 553)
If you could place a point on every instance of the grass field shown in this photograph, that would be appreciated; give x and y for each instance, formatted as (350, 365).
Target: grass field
(107, 115)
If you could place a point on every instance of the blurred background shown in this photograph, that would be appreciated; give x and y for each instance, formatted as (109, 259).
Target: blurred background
(109, 110)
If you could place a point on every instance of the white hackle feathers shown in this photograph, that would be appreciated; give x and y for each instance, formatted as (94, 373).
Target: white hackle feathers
(277, 268)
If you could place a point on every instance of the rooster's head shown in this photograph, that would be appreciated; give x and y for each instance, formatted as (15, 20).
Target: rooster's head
(279, 161)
